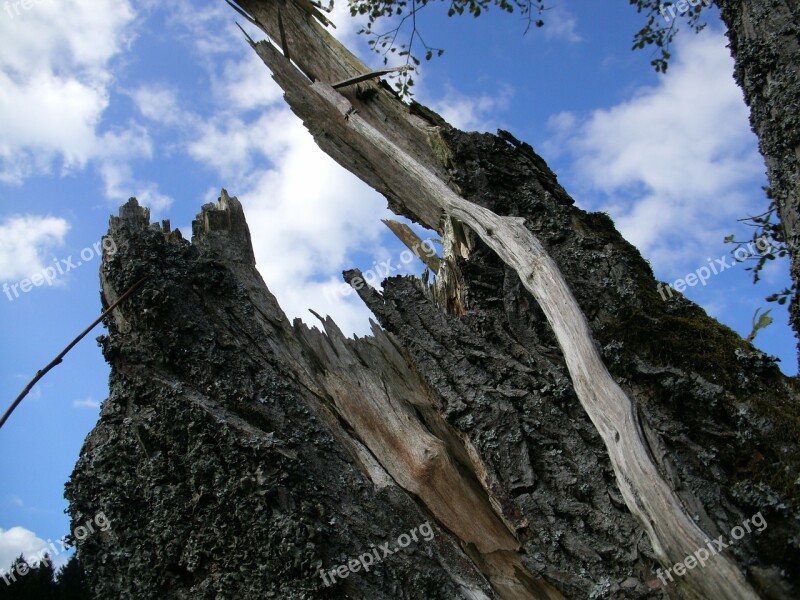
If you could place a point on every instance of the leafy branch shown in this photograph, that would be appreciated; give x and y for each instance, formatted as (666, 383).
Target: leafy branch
(403, 14)
(658, 32)
(768, 232)
(661, 27)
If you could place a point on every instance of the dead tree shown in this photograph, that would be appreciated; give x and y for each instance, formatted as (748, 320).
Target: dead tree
(765, 45)
(565, 430)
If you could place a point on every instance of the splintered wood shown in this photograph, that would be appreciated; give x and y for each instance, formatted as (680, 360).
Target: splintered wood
(400, 154)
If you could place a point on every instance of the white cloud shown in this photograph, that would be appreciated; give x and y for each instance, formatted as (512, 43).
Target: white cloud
(25, 242)
(308, 216)
(55, 81)
(246, 84)
(231, 144)
(16, 541)
(117, 151)
(120, 184)
(86, 403)
(560, 24)
(471, 113)
(61, 36)
(561, 128)
(675, 165)
(158, 103)
(46, 116)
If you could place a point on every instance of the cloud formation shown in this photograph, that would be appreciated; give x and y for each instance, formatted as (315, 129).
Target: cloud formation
(25, 242)
(675, 165)
(561, 25)
(86, 403)
(471, 113)
(55, 87)
(16, 541)
(309, 217)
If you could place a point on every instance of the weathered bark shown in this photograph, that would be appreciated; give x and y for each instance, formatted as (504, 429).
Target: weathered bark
(222, 457)
(764, 40)
(483, 405)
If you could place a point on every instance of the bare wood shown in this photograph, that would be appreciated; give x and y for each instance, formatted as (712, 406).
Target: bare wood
(414, 243)
(284, 44)
(673, 534)
(380, 405)
(243, 13)
(246, 35)
(320, 56)
(382, 152)
(368, 76)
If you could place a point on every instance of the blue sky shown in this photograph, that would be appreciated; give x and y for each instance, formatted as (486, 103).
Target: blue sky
(103, 100)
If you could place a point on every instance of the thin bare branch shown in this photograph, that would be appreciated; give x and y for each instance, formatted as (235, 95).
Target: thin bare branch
(57, 360)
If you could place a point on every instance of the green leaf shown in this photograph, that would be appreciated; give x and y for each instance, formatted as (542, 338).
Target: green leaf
(763, 321)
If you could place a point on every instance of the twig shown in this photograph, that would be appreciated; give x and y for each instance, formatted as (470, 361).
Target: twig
(367, 76)
(42, 372)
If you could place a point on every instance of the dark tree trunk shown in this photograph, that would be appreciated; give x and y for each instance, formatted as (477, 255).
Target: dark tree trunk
(764, 40)
(238, 454)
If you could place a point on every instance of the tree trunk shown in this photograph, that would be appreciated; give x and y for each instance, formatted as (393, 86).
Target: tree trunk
(764, 40)
(559, 426)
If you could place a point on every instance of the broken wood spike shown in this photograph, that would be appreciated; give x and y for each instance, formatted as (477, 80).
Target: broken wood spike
(371, 75)
(311, 9)
(282, 31)
(327, 9)
(249, 39)
(414, 243)
(244, 14)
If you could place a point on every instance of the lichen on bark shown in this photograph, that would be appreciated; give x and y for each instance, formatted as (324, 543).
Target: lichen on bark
(238, 454)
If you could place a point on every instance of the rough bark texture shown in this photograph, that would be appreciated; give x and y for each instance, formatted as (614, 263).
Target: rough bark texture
(226, 464)
(238, 454)
(764, 40)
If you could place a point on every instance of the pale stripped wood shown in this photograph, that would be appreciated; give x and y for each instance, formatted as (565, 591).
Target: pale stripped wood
(414, 243)
(379, 145)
